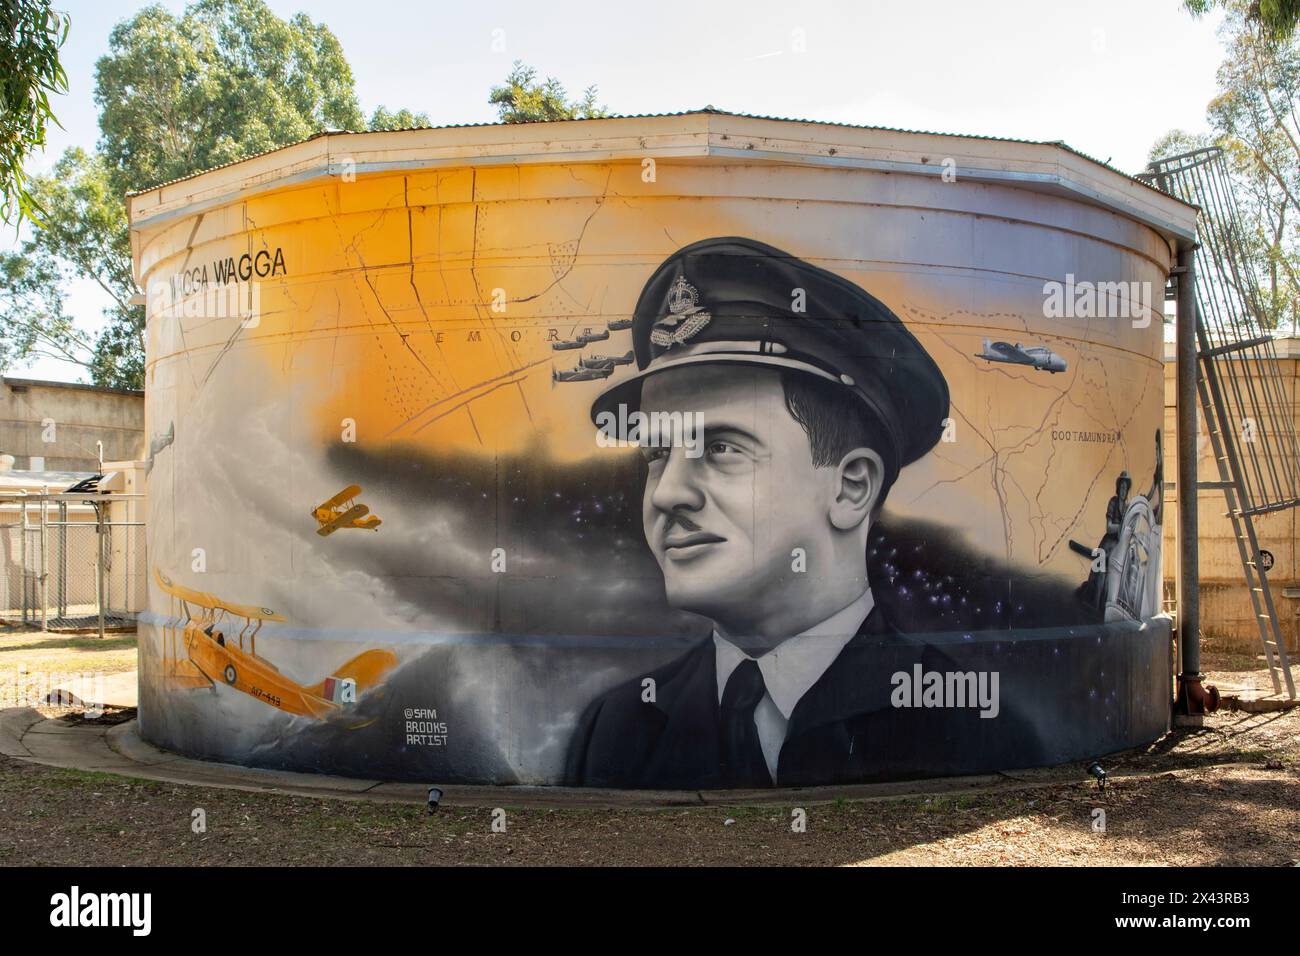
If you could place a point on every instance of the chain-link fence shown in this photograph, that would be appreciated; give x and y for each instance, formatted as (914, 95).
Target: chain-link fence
(69, 563)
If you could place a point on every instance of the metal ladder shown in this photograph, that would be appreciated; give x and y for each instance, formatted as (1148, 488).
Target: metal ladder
(1230, 481)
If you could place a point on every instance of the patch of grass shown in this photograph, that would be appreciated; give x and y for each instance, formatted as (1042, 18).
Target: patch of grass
(98, 778)
(30, 662)
(14, 643)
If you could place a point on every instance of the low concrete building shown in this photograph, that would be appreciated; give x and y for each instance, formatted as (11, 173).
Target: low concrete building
(1227, 614)
(54, 426)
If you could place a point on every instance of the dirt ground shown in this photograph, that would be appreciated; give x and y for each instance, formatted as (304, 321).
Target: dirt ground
(1227, 793)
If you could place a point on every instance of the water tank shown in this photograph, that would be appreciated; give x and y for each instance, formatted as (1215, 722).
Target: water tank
(685, 451)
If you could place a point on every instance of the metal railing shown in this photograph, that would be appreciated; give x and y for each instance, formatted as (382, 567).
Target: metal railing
(1236, 345)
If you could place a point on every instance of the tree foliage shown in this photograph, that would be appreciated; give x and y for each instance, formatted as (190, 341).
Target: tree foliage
(382, 119)
(83, 234)
(1276, 19)
(31, 34)
(1253, 118)
(225, 80)
(525, 99)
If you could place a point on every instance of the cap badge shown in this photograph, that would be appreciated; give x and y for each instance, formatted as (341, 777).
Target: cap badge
(685, 319)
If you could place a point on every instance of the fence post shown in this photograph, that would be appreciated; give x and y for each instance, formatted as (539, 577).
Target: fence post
(45, 562)
(22, 505)
(63, 559)
(99, 562)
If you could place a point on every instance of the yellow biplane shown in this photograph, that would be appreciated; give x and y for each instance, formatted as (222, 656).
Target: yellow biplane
(342, 511)
(205, 625)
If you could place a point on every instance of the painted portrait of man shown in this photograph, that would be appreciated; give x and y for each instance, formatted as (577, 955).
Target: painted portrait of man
(810, 396)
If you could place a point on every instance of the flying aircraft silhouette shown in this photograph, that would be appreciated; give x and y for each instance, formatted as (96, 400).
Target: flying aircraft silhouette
(606, 361)
(342, 511)
(1036, 356)
(581, 374)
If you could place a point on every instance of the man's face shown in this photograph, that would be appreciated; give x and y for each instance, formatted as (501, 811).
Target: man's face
(723, 525)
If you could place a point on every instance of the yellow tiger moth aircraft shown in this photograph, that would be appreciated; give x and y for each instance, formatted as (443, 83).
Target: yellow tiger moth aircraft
(341, 512)
(211, 655)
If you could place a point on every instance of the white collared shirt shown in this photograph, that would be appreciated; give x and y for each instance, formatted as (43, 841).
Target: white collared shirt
(790, 669)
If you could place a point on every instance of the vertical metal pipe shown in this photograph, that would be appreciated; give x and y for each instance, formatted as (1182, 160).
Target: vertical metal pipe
(1189, 612)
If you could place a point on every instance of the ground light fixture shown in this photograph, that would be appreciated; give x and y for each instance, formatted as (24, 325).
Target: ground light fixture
(1098, 774)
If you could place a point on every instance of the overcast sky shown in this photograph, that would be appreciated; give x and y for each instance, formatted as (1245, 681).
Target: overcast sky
(1106, 76)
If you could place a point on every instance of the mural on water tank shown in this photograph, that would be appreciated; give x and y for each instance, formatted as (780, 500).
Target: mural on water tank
(776, 403)
(701, 503)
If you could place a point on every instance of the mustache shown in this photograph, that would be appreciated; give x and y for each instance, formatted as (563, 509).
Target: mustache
(679, 518)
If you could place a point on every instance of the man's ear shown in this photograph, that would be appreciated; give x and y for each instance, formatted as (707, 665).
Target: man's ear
(859, 478)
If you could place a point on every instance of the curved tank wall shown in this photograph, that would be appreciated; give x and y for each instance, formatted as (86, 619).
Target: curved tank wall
(387, 538)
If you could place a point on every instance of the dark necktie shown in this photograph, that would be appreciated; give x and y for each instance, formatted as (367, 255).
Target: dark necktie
(743, 764)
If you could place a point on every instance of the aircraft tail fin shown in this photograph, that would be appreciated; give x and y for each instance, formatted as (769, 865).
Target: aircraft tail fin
(368, 668)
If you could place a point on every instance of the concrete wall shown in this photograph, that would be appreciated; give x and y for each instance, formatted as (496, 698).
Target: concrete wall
(81, 415)
(1227, 615)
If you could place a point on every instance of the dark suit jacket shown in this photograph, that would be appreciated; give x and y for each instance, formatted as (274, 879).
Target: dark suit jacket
(843, 730)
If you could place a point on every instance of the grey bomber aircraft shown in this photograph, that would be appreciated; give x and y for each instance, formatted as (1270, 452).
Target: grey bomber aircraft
(1038, 357)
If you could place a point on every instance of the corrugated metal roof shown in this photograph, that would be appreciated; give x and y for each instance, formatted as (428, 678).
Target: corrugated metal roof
(635, 116)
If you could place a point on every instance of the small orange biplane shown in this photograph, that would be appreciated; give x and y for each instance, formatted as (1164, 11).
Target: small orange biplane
(341, 511)
(212, 651)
